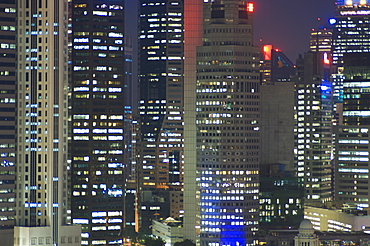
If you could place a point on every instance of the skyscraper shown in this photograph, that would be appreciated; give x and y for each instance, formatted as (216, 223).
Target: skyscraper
(277, 108)
(314, 132)
(98, 107)
(228, 113)
(350, 35)
(352, 136)
(7, 111)
(350, 32)
(350, 44)
(161, 109)
(321, 39)
(280, 193)
(42, 201)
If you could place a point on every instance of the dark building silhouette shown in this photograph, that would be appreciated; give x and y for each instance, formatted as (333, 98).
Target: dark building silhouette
(99, 113)
(7, 113)
(275, 66)
(161, 109)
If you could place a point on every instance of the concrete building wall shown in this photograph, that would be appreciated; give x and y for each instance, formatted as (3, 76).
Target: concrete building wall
(68, 235)
(277, 124)
(193, 25)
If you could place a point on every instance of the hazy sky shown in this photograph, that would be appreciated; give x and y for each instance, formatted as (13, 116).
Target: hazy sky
(286, 24)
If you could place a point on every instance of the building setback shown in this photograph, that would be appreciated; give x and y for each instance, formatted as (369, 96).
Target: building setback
(42, 201)
(97, 120)
(228, 113)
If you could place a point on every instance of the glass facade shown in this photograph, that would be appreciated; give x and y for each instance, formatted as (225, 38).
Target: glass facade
(98, 114)
(351, 31)
(352, 137)
(314, 132)
(161, 109)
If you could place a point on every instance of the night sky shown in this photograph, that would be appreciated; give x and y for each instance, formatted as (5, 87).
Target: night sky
(286, 24)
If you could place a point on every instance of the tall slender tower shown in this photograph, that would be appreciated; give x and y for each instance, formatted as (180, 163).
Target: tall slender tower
(228, 113)
(161, 109)
(42, 211)
(314, 130)
(98, 120)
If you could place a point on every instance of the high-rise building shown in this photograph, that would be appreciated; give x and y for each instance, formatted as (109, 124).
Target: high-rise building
(349, 47)
(161, 109)
(228, 114)
(98, 117)
(7, 113)
(42, 200)
(350, 32)
(350, 35)
(277, 108)
(314, 133)
(352, 136)
(320, 40)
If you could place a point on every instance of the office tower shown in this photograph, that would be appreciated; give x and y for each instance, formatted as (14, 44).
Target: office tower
(97, 115)
(42, 201)
(350, 35)
(7, 114)
(193, 26)
(320, 40)
(280, 192)
(161, 109)
(277, 108)
(350, 32)
(281, 198)
(228, 114)
(314, 134)
(352, 136)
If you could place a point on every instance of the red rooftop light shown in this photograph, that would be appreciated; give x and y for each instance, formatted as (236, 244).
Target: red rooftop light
(250, 7)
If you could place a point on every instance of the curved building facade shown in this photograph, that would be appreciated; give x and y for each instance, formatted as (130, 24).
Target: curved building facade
(228, 113)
